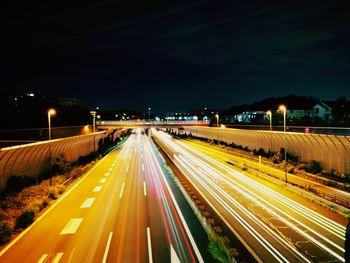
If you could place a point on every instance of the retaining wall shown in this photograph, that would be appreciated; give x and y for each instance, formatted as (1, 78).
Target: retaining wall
(332, 151)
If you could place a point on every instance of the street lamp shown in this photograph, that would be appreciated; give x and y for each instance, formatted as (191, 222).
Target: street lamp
(217, 120)
(284, 109)
(50, 112)
(149, 115)
(93, 113)
(269, 113)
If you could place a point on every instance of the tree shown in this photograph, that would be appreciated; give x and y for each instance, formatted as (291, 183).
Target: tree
(341, 111)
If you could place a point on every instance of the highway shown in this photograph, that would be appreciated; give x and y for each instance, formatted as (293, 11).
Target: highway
(224, 156)
(272, 225)
(123, 210)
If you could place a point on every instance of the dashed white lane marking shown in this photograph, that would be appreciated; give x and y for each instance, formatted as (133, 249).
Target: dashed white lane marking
(121, 192)
(141, 155)
(143, 167)
(43, 258)
(107, 174)
(107, 247)
(110, 169)
(72, 226)
(71, 255)
(150, 258)
(103, 180)
(97, 188)
(144, 188)
(127, 168)
(130, 156)
(57, 258)
(87, 203)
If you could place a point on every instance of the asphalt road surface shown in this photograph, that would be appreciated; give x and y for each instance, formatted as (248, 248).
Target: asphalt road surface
(121, 211)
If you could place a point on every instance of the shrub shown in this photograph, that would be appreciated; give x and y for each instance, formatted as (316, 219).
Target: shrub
(312, 167)
(61, 165)
(5, 233)
(260, 151)
(52, 196)
(25, 219)
(220, 252)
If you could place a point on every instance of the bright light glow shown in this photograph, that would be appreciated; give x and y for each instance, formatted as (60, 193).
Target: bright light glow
(282, 108)
(51, 112)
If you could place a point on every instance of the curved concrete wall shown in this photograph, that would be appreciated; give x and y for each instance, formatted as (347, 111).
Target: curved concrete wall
(33, 159)
(332, 151)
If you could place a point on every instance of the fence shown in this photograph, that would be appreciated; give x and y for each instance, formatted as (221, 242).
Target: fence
(332, 151)
(23, 136)
(32, 160)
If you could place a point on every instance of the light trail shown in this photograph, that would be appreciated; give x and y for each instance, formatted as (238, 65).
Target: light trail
(323, 221)
(219, 180)
(175, 231)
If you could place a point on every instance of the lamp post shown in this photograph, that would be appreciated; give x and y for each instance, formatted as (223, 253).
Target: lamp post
(284, 109)
(50, 112)
(217, 119)
(93, 113)
(149, 115)
(269, 113)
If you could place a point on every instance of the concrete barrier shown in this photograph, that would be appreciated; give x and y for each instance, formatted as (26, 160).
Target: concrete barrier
(332, 151)
(32, 159)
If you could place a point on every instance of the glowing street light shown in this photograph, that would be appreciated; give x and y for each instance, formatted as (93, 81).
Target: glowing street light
(50, 112)
(284, 109)
(269, 113)
(93, 113)
(217, 120)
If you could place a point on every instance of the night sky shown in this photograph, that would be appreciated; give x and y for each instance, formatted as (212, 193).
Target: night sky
(174, 55)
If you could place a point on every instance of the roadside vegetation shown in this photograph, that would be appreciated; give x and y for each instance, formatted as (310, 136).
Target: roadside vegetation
(18, 208)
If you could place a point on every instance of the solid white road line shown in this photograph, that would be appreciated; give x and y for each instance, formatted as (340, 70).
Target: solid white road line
(87, 203)
(150, 258)
(71, 255)
(107, 247)
(173, 256)
(103, 180)
(57, 258)
(43, 258)
(121, 192)
(97, 188)
(72, 226)
(127, 168)
(144, 188)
